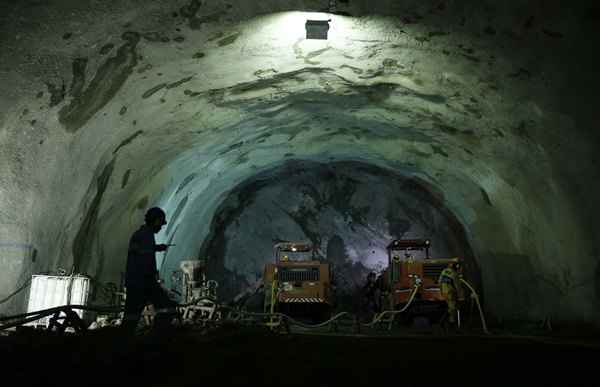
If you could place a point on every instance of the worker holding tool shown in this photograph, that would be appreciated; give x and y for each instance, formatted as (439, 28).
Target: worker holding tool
(141, 276)
(451, 289)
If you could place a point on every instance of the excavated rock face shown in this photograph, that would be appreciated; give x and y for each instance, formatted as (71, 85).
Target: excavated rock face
(470, 122)
(348, 211)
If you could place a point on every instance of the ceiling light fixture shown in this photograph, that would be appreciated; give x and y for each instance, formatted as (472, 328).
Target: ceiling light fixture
(317, 29)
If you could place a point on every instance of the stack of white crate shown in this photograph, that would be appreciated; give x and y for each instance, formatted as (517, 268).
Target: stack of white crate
(49, 291)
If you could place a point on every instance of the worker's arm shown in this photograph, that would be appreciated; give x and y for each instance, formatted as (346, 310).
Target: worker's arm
(138, 247)
(442, 274)
(445, 276)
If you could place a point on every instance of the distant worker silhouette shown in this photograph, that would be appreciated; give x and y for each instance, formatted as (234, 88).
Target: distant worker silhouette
(141, 276)
(371, 295)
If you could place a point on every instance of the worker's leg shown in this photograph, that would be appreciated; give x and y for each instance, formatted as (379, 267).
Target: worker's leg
(165, 308)
(448, 295)
(134, 305)
(451, 300)
(377, 301)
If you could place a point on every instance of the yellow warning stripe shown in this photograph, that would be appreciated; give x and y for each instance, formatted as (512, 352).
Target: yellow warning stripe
(302, 299)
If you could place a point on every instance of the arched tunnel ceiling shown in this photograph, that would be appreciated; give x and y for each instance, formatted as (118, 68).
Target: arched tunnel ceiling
(108, 109)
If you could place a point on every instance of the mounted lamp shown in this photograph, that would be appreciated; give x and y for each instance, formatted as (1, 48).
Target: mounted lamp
(317, 29)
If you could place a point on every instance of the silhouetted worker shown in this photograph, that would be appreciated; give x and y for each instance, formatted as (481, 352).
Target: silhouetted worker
(370, 294)
(141, 276)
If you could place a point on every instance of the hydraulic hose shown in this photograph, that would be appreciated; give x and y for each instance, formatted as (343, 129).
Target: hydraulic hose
(33, 316)
(476, 297)
(313, 326)
(22, 322)
(46, 312)
(380, 316)
(274, 298)
(239, 315)
(296, 322)
(336, 317)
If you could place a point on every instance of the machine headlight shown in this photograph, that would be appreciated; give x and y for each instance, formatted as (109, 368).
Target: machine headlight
(287, 286)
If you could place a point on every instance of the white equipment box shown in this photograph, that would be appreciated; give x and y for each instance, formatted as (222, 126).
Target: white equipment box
(51, 291)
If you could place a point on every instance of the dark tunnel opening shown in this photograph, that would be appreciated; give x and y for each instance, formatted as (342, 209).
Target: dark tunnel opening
(349, 210)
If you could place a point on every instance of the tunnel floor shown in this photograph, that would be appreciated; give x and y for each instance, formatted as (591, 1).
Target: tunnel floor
(255, 357)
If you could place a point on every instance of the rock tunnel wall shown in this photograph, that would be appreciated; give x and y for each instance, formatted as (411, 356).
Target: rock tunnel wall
(107, 109)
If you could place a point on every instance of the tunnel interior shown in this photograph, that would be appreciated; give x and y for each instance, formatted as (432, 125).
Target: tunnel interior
(349, 211)
(470, 123)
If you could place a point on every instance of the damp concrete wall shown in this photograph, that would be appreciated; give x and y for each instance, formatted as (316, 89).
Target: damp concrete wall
(109, 108)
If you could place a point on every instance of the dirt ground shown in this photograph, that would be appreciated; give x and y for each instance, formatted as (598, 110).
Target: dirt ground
(253, 356)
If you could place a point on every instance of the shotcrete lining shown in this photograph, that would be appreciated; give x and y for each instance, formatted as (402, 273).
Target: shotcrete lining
(108, 80)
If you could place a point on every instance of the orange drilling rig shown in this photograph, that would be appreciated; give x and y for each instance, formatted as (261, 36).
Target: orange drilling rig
(407, 274)
(297, 283)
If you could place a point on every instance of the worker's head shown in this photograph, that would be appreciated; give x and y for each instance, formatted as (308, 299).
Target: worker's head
(454, 265)
(155, 219)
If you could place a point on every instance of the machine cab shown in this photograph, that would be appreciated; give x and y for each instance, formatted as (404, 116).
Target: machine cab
(406, 249)
(293, 252)
(402, 253)
(296, 266)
